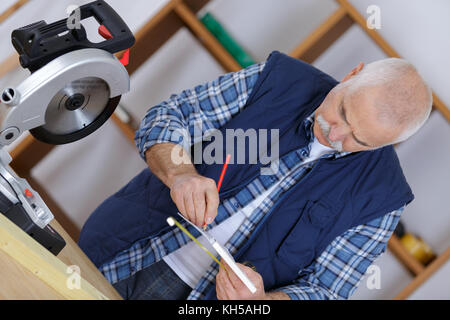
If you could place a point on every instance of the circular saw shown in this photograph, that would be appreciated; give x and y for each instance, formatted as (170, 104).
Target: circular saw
(75, 85)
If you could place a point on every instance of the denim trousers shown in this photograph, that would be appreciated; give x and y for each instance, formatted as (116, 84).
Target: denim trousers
(156, 282)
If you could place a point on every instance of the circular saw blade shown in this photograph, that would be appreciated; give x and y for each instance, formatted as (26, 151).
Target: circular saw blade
(76, 111)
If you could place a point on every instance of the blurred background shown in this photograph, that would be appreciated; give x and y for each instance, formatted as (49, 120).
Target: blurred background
(79, 176)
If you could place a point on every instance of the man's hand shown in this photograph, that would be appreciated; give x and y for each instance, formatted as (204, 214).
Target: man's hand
(196, 197)
(230, 287)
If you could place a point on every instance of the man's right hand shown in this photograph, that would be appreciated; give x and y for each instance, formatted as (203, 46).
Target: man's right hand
(196, 197)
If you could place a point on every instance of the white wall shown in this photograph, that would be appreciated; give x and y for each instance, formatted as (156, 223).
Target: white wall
(81, 175)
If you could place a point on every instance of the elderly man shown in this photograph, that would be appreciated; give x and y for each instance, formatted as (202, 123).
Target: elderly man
(310, 228)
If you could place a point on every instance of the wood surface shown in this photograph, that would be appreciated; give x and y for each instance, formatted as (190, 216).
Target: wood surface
(45, 275)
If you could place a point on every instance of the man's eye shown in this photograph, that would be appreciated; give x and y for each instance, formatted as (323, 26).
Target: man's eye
(343, 114)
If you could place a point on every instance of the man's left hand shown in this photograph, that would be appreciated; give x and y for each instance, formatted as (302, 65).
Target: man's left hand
(230, 287)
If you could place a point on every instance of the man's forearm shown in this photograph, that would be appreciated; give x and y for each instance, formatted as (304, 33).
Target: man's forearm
(169, 160)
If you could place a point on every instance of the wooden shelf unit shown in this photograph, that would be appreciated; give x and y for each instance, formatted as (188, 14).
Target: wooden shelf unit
(177, 14)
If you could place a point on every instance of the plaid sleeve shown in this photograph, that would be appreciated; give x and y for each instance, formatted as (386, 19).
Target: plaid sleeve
(187, 117)
(338, 270)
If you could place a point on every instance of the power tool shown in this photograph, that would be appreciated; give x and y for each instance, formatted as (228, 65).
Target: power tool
(74, 87)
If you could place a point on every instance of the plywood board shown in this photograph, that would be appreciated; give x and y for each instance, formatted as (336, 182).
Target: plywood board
(27, 263)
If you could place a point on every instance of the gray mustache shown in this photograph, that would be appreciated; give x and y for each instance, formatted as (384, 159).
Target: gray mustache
(326, 128)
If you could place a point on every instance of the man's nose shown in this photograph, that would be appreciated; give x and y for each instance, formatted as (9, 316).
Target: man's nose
(338, 133)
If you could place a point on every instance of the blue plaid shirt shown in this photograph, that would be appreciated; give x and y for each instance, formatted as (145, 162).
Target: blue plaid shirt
(335, 274)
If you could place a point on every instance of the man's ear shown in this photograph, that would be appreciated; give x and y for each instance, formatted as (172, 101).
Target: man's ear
(355, 71)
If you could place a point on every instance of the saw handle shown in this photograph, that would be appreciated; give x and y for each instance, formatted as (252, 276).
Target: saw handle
(39, 43)
(122, 37)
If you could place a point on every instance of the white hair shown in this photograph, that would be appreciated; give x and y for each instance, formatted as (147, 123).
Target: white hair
(406, 100)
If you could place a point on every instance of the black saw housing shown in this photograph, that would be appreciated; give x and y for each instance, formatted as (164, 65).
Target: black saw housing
(39, 43)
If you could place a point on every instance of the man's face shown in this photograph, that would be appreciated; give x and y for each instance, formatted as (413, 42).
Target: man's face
(348, 122)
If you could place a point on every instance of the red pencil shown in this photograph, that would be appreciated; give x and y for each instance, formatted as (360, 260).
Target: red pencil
(222, 175)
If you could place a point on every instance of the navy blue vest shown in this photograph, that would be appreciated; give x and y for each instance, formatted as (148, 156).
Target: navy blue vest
(336, 195)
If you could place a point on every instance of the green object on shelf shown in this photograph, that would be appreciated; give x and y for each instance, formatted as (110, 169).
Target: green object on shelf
(236, 51)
